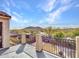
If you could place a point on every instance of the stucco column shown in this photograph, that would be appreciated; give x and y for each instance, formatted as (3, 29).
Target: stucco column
(39, 43)
(77, 47)
(4, 18)
(6, 38)
(23, 40)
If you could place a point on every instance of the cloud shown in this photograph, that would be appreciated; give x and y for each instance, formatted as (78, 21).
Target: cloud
(65, 2)
(20, 22)
(24, 5)
(16, 14)
(7, 3)
(6, 6)
(17, 17)
(77, 5)
(19, 5)
(52, 17)
(14, 18)
(12, 3)
(6, 10)
(41, 21)
(48, 5)
(55, 14)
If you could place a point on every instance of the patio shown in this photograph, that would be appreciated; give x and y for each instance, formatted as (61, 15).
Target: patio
(24, 51)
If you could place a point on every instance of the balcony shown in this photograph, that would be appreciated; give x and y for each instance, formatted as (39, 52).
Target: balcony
(41, 47)
(24, 51)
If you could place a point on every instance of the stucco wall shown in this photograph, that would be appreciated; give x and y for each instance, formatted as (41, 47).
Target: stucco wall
(5, 32)
(77, 47)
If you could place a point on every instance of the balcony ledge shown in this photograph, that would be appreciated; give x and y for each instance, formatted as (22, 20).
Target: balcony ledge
(24, 51)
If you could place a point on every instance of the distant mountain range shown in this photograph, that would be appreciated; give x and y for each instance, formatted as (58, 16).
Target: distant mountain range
(33, 28)
(30, 28)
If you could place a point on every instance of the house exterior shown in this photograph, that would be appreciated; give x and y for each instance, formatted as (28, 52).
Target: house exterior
(4, 29)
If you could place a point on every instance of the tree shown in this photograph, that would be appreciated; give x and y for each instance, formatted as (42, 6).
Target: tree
(49, 31)
(76, 33)
(33, 32)
(59, 35)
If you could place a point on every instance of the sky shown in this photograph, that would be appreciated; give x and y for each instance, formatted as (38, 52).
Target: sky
(43, 13)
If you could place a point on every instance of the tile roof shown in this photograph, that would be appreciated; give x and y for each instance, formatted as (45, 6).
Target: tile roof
(4, 14)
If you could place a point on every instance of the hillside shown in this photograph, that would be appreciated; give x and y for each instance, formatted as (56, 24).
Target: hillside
(33, 28)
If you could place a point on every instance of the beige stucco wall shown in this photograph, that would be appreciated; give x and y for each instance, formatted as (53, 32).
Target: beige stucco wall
(5, 32)
(77, 47)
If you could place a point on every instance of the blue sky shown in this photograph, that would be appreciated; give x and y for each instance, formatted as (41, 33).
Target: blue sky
(55, 13)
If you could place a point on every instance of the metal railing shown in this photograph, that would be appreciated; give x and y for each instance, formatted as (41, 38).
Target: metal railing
(61, 47)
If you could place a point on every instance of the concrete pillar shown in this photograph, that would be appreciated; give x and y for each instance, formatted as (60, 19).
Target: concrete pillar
(23, 40)
(39, 43)
(77, 47)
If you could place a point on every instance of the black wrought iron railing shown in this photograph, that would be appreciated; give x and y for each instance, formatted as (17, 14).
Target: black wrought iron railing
(61, 47)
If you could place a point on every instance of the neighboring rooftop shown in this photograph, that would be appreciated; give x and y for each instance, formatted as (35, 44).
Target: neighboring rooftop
(24, 51)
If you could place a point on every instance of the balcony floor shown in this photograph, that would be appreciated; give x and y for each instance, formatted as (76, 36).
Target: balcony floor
(24, 51)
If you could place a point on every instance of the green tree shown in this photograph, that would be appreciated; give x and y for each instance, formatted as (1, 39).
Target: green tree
(58, 35)
(76, 33)
(49, 31)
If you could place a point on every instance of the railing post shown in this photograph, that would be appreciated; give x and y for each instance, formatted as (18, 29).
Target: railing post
(39, 43)
(77, 46)
(23, 40)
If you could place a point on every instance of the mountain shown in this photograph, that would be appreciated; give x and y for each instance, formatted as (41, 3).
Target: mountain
(33, 28)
